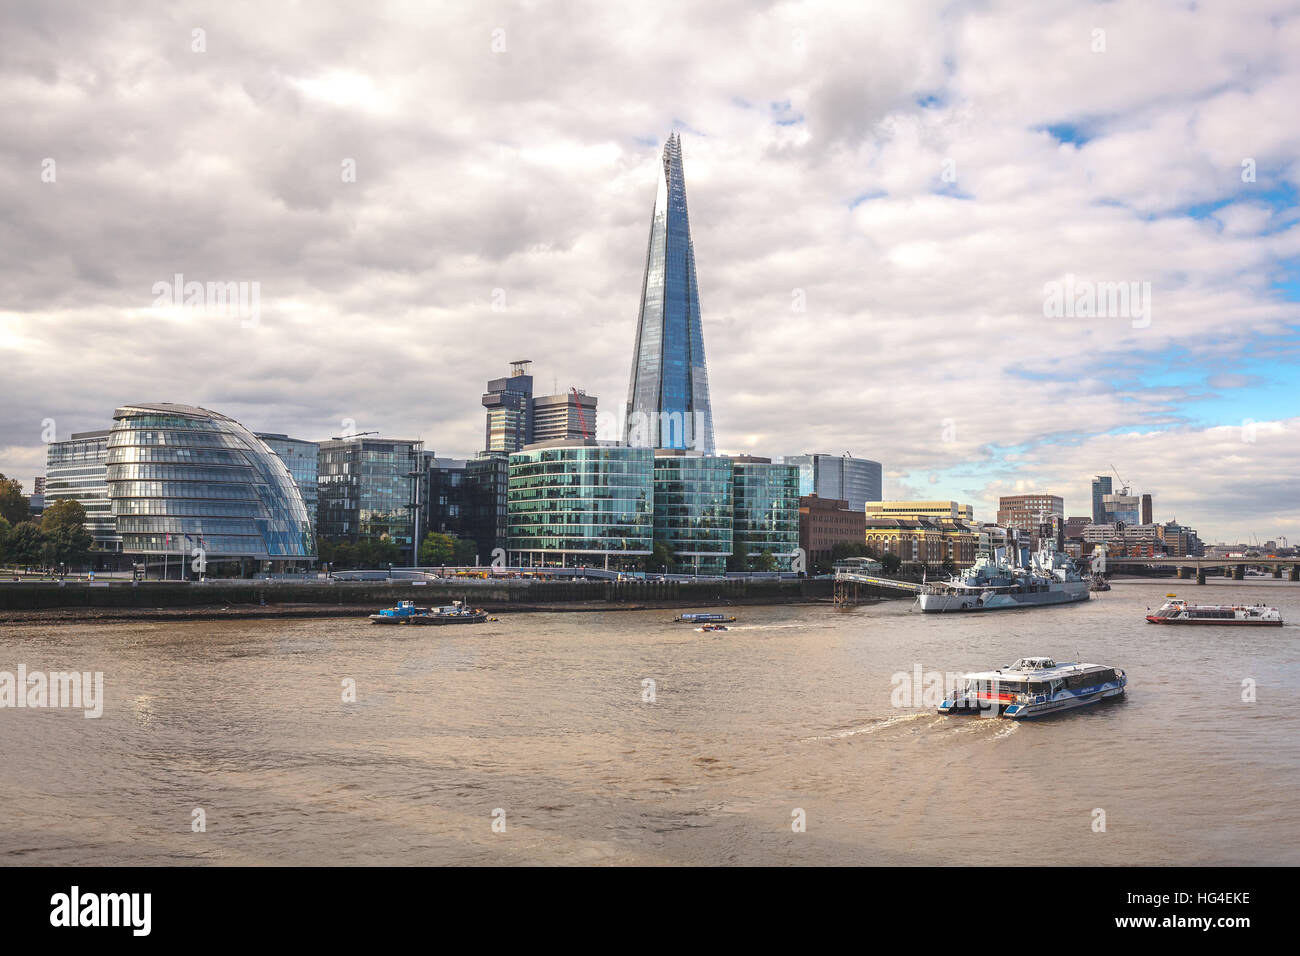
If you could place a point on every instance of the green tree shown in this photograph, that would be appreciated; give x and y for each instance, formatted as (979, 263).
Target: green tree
(890, 562)
(436, 549)
(63, 525)
(662, 558)
(14, 506)
(24, 541)
(765, 562)
(4, 535)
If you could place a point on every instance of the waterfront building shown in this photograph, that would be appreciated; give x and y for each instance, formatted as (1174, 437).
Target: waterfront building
(509, 404)
(826, 522)
(77, 469)
(668, 402)
(182, 478)
(693, 509)
(1101, 486)
(485, 516)
(1181, 541)
(839, 477)
(443, 495)
(943, 510)
(567, 417)
(765, 509)
(302, 458)
(580, 504)
(928, 542)
(366, 489)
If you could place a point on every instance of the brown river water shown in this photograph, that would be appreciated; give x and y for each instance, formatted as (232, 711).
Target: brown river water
(539, 723)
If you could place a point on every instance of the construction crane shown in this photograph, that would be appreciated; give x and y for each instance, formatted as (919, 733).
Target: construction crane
(1124, 486)
(582, 419)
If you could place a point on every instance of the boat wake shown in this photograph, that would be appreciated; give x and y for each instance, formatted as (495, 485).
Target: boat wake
(878, 724)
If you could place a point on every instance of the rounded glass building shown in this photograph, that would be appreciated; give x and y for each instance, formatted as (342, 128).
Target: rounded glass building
(182, 478)
(580, 504)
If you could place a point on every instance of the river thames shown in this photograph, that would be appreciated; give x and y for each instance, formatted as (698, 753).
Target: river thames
(231, 742)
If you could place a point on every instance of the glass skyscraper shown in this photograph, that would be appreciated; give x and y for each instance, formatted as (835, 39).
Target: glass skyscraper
(766, 504)
(365, 490)
(855, 480)
(668, 395)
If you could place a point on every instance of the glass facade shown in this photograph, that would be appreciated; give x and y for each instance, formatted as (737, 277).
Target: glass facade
(766, 501)
(486, 512)
(693, 510)
(181, 478)
(842, 477)
(302, 458)
(365, 489)
(576, 503)
(509, 404)
(668, 396)
(77, 469)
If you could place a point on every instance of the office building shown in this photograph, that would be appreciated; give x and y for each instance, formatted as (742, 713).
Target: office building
(1040, 516)
(567, 417)
(1121, 509)
(302, 458)
(366, 490)
(942, 510)
(1146, 509)
(826, 522)
(485, 515)
(443, 495)
(693, 509)
(839, 477)
(77, 469)
(668, 402)
(182, 478)
(765, 507)
(509, 404)
(1101, 486)
(931, 543)
(576, 504)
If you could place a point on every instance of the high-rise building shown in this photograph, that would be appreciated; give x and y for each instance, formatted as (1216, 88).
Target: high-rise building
(509, 404)
(1121, 508)
(574, 504)
(765, 505)
(366, 490)
(77, 469)
(567, 417)
(1146, 509)
(302, 459)
(1101, 486)
(443, 496)
(182, 478)
(38, 486)
(668, 394)
(839, 477)
(693, 509)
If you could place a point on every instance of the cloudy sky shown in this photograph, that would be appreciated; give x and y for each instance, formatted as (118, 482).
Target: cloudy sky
(881, 195)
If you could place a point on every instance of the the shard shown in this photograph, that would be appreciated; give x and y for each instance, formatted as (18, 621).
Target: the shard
(668, 396)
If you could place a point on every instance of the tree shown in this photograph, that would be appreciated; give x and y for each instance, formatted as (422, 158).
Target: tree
(437, 548)
(24, 541)
(662, 558)
(890, 562)
(63, 525)
(14, 506)
(765, 562)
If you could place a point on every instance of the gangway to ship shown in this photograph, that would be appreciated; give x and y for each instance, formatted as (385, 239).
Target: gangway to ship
(845, 579)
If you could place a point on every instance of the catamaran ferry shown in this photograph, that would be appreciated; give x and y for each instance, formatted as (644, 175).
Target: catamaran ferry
(995, 583)
(1034, 686)
(1176, 611)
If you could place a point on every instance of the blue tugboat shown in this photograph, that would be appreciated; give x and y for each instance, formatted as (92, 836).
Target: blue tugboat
(407, 613)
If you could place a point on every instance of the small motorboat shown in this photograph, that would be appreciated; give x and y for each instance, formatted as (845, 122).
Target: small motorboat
(706, 628)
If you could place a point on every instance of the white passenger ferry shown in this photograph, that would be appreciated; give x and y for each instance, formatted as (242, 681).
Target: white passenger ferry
(1175, 611)
(1034, 686)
